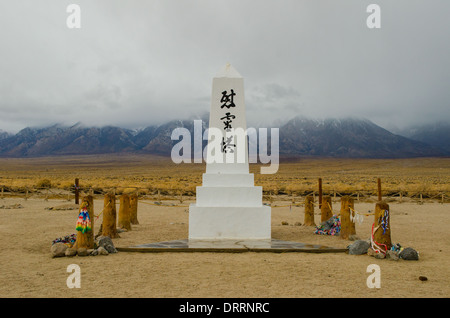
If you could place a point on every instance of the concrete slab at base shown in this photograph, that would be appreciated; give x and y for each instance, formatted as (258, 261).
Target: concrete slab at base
(218, 223)
(227, 243)
(230, 246)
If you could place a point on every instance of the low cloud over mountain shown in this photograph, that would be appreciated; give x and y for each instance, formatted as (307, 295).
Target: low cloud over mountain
(352, 138)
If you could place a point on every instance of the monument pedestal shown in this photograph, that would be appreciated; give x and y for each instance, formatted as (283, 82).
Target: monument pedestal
(228, 205)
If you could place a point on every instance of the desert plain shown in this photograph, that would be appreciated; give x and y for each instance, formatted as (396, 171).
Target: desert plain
(27, 269)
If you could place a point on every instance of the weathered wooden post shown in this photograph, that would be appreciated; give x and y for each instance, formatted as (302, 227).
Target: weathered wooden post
(26, 194)
(85, 236)
(380, 197)
(382, 226)
(309, 211)
(134, 208)
(124, 212)
(77, 191)
(347, 226)
(326, 210)
(3, 189)
(320, 193)
(109, 216)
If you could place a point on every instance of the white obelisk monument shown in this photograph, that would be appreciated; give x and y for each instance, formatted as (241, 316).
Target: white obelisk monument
(228, 204)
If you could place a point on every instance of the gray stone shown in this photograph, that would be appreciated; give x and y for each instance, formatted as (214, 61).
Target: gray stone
(359, 247)
(409, 254)
(102, 251)
(82, 251)
(371, 252)
(58, 249)
(392, 255)
(93, 253)
(71, 252)
(106, 243)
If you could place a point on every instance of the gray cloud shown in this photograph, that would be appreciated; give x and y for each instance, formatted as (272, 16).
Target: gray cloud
(135, 63)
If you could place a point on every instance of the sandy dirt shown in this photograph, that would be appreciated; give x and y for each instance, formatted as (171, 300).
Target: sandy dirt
(28, 270)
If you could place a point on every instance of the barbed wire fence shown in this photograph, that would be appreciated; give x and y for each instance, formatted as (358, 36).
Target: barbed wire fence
(158, 196)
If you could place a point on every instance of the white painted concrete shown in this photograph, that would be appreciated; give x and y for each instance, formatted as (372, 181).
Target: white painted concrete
(228, 205)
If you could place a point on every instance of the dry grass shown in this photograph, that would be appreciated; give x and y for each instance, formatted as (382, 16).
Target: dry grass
(153, 173)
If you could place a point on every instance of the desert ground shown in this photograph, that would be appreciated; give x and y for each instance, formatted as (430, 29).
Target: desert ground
(27, 269)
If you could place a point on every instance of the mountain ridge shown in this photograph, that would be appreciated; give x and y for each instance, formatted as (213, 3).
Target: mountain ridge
(332, 137)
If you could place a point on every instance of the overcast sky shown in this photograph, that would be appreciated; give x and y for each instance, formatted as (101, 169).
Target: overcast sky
(135, 63)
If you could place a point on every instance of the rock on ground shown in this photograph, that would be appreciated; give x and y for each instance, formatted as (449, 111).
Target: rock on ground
(359, 247)
(371, 252)
(71, 251)
(409, 254)
(82, 251)
(392, 255)
(106, 243)
(102, 251)
(58, 249)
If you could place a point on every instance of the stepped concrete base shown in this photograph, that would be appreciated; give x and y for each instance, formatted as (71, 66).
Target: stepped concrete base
(236, 196)
(229, 223)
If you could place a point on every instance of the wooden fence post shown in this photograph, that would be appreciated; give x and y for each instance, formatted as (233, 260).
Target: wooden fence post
(109, 216)
(125, 212)
(77, 192)
(86, 240)
(3, 189)
(347, 226)
(320, 193)
(326, 211)
(309, 211)
(134, 208)
(26, 194)
(382, 225)
(380, 197)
